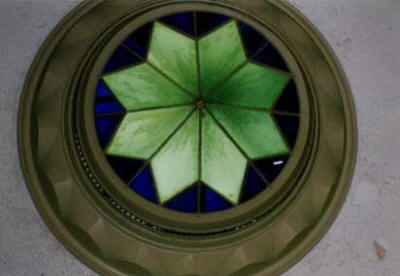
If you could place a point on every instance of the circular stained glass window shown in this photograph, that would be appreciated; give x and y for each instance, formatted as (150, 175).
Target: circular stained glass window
(197, 112)
(187, 137)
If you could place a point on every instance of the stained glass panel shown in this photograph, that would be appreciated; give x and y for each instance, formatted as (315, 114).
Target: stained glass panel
(253, 185)
(106, 102)
(253, 86)
(184, 22)
(142, 87)
(141, 133)
(223, 165)
(211, 201)
(139, 40)
(122, 57)
(187, 201)
(189, 151)
(175, 55)
(252, 39)
(254, 131)
(178, 160)
(220, 53)
(207, 22)
(143, 184)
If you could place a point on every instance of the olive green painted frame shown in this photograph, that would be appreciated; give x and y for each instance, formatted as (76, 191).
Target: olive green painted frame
(65, 172)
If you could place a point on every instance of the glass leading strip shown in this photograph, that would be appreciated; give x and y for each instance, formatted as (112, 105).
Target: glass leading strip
(141, 133)
(254, 131)
(175, 55)
(176, 166)
(223, 166)
(220, 53)
(143, 87)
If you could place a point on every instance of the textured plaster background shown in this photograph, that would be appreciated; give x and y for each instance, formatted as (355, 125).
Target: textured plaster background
(365, 34)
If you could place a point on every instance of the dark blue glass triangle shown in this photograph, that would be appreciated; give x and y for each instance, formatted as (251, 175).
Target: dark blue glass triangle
(271, 57)
(102, 90)
(289, 126)
(254, 184)
(124, 167)
(181, 21)
(105, 101)
(185, 201)
(108, 105)
(253, 40)
(105, 127)
(143, 184)
(139, 40)
(212, 201)
(271, 167)
(289, 101)
(122, 57)
(209, 21)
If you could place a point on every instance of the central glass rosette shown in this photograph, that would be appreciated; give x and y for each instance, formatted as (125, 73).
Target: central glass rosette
(198, 110)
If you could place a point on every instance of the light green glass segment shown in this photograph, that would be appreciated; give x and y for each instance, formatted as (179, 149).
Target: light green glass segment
(222, 165)
(143, 87)
(175, 55)
(254, 86)
(220, 53)
(141, 133)
(254, 131)
(176, 166)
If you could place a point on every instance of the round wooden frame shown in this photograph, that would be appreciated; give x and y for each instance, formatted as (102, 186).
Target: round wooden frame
(71, 186)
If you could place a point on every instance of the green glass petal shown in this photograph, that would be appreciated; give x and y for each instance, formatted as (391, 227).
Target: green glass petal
(254, 86)
(176, 166)
(175, 55)
(141, 133)
(254, 131)
(143, 87)
(220, 53)
(222, 164)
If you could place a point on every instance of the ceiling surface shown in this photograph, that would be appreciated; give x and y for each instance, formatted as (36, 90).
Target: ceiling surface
(365, 34)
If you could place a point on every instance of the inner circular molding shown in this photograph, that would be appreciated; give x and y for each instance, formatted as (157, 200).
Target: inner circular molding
(196, 112)
(235, 161)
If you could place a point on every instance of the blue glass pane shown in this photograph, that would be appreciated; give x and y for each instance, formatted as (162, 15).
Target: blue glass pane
(253, 185)
(208, 21)
(139, 40)
(125, 168)
(289, 126)
(289, 101)
(106, 101)
(105, 127)
(252, 39)
(271, 167)
(185, 201)
(271, 57)
(121, 58)
(212, 201)
(102, 90)
(109, 105)
(181, 21)
(143, 184)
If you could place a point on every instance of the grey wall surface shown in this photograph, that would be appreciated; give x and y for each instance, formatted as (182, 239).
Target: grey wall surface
(365, 34)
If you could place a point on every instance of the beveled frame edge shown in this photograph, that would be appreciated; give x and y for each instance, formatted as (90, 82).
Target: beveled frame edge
(352, 127)
(314, 237)
(50, 219)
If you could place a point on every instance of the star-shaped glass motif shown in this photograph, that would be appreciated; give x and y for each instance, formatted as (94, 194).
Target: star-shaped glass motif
(198, 110)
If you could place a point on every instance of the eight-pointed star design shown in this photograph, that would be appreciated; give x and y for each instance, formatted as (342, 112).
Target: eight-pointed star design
(198, 110)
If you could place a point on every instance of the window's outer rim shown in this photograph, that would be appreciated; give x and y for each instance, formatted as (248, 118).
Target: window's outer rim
(243, 259)
(240, 216)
